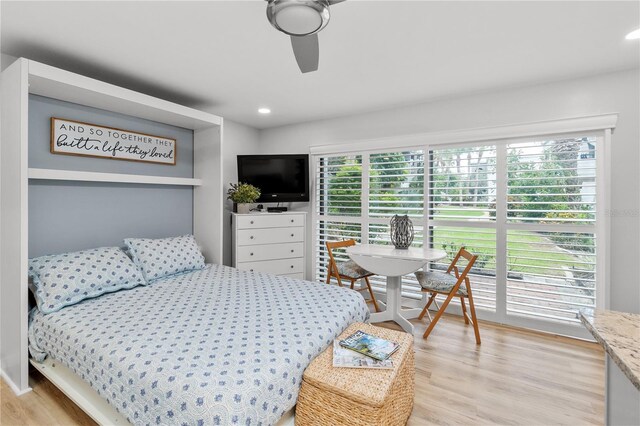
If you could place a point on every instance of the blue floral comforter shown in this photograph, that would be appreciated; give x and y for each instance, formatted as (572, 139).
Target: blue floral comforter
(217, 346)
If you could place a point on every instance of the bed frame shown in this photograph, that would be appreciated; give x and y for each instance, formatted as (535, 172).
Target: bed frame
(19, 80)
(83, 395)
(79, 391)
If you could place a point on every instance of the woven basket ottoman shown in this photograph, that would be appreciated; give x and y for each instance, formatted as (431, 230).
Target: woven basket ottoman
(358, 396)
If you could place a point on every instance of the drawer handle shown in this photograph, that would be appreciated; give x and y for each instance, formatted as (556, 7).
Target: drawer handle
(291, 220)
(291, 251)
(250, 270)
(251, 237)
(292, 235)
(251, 222)
(291, 266)
(250, 254)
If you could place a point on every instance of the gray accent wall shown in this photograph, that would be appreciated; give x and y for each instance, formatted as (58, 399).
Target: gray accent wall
(68, 216)
(41, 110)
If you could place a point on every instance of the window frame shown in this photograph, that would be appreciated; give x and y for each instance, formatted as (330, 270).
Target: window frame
(600, 127)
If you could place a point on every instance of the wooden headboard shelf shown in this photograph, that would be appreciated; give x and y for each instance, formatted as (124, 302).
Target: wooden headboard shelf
(72, 175)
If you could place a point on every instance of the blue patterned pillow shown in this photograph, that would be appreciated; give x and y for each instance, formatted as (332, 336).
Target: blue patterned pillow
(65, 279)
(165, 257)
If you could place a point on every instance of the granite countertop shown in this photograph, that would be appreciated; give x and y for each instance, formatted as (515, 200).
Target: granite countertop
(619, 334)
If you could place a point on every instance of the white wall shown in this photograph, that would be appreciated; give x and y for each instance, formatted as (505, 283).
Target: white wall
(617, 92)
(6, 60)
(238, 139)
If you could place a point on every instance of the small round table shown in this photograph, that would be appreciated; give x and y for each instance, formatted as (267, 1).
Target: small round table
(394, 263)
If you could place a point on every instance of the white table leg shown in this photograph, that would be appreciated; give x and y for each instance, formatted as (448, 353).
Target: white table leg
(404, 323)
(411, 313)
(393, 311)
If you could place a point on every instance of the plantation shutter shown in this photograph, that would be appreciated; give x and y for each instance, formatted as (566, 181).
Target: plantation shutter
(527, 208)
(338, 205)
(348, 207)
(462, 211)
(551, 213)
(396, 186)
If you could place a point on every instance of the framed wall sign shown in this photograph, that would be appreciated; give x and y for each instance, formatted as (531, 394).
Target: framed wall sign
(69, 137)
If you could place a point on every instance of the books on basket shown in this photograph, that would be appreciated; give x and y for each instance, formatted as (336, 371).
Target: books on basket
(345, 358)
(369, 345)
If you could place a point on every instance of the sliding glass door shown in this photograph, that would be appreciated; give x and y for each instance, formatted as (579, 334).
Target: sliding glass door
(551, 227)
(461, 196)
(527, 208)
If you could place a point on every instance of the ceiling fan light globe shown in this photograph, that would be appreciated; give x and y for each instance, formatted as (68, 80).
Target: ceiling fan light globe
(298, 17)
(298, 20)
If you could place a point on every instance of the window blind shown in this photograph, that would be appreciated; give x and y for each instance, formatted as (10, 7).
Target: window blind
(551, 189)
(462, 189)
(462, 183)
(552, 181)
(396, 184)
(526, 208)
(339, 185)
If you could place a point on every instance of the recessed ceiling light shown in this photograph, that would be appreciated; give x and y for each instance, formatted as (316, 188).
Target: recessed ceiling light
(633, 35)
(264, 111)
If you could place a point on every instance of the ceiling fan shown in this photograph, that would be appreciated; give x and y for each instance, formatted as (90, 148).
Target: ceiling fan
(302, 20)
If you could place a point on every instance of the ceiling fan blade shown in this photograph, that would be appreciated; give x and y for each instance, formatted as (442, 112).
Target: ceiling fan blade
(307, 52)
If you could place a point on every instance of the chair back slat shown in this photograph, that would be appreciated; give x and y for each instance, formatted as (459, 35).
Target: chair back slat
(464, 253)
(471, 259)
(331, 245)
(338, 244)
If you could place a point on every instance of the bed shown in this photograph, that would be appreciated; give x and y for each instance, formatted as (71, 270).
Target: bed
(214, 346)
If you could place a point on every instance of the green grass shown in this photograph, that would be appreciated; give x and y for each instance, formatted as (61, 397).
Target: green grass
(482, 243)
(520, 245)
(458, 212)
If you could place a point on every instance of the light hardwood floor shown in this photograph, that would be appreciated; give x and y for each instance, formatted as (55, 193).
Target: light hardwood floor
(514, 377)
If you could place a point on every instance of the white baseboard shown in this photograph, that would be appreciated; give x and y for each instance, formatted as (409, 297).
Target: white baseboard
(12, 385)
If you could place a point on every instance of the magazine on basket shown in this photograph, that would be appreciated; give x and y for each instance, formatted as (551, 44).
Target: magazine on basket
(369, 345)
(345, 358)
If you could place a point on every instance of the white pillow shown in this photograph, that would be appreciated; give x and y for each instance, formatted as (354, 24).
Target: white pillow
(65, 279)
(159, 258)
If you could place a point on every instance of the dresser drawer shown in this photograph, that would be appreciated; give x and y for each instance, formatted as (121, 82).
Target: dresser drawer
(248, 237)
(270, 220)
(269, 252)
(277, 267)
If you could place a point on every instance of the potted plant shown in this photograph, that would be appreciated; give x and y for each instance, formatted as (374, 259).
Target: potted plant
(242, 195)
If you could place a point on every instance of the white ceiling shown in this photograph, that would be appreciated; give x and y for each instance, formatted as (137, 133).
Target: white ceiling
(224, 57)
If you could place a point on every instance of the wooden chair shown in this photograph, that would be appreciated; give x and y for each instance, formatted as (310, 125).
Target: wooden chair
(348, 270)
(435, 283)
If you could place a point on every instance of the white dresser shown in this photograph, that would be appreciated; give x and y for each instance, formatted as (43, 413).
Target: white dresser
(270, 242)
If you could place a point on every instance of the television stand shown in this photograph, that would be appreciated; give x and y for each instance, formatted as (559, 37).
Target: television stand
(276, 209)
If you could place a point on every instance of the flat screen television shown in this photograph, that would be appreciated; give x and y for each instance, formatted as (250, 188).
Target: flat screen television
(281, 178)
